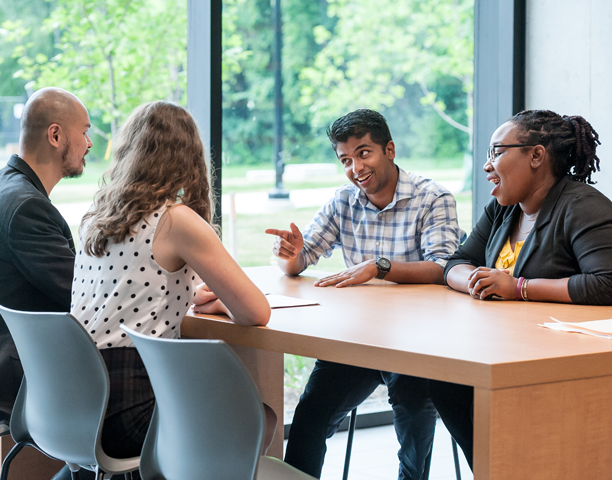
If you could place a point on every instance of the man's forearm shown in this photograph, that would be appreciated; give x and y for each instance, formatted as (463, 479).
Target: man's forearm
(416, 272)
(293, 266)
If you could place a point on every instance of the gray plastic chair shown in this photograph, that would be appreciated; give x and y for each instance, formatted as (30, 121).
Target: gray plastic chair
(63, 397)
(209, 420)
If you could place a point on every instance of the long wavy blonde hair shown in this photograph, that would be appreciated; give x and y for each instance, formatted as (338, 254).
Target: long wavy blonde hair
(158, 158)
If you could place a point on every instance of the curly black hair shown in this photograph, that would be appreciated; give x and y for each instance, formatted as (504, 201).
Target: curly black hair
(570, 141)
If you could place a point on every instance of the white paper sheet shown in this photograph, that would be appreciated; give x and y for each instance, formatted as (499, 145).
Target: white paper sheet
(595, 328)
(281, 301)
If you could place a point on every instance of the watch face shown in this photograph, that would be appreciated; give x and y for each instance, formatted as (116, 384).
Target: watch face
(384, 263)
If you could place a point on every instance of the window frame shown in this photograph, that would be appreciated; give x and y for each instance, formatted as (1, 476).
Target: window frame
(499, 84)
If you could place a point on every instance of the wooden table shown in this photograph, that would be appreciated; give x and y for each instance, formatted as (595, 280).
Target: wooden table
(543, 399)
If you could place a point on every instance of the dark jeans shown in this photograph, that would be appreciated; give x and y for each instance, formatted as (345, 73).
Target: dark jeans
(130, 408)
(334, 390)
(455, 404)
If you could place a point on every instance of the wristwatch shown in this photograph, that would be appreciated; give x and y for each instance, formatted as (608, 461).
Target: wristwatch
(384, 266)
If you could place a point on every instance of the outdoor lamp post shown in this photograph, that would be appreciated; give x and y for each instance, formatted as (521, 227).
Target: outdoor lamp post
(277, 157)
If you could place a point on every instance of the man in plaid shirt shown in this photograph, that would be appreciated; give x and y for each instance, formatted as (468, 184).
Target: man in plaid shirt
(390, 224)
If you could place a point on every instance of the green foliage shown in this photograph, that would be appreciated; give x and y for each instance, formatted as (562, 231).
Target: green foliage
(113, 54)
(20, 33)
(374, 54)
(411, 60)
(19, 27)
(248, 90)
(297, 371)
(408, 59)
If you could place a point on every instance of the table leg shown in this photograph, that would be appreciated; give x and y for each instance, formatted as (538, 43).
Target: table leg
(556, 431)
(267, 369)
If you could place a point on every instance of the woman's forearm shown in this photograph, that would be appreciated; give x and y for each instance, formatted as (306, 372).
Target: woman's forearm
(548, 290)
(457, 277)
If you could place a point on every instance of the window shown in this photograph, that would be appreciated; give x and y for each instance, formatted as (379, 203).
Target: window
(412, 61)
(112, 55)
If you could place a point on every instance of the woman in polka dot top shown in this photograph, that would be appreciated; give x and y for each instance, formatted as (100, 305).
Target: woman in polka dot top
(142, 247)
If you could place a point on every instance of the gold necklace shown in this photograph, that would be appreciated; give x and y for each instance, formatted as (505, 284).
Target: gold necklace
(535, 215)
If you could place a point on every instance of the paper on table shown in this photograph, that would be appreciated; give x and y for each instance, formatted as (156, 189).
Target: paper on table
(596, 328)
(281, 301)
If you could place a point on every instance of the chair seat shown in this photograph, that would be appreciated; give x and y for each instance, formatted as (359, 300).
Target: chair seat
(61, 405)
(273, 469)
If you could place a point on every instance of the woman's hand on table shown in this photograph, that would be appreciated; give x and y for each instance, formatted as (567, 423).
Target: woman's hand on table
(215, 307)
(484, 282)
(205, 301)
(203, 295)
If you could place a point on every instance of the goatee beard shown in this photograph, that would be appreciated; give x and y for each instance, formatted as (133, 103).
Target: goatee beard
(68, 172)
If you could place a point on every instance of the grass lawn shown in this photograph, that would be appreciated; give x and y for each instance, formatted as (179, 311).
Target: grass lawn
(82, 189)
(234, 178)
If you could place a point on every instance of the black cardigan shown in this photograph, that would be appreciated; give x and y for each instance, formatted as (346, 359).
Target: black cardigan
(572, 237)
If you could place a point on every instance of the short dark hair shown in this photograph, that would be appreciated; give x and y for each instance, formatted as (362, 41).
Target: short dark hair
(358, 124)
(570, 141)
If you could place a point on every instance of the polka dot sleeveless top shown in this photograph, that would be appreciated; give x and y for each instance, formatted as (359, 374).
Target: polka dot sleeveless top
(126, 286)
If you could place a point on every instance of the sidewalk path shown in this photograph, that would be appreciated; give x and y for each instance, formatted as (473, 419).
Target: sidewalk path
(248, 203)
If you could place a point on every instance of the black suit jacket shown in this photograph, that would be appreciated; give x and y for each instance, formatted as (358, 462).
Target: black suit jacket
(572, 237)
(36, 262)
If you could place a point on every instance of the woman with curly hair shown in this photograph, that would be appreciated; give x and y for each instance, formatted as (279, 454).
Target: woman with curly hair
(546, 236)
(143, 245)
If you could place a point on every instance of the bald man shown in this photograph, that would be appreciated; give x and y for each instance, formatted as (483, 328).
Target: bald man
(36, 247)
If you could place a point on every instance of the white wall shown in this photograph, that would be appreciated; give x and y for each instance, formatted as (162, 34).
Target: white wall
(569, 67)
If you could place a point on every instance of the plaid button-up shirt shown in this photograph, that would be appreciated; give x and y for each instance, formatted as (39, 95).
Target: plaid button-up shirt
(419, 224)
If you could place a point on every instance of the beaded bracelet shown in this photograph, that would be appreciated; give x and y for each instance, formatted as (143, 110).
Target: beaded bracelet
(519, 286)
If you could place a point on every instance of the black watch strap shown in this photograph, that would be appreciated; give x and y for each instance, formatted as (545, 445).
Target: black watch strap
(384, 266)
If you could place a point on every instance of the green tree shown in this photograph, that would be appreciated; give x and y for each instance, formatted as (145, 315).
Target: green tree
(19, 27)
(412, 60)
(248, 80)
(16, 18)
(376, 52)
(113, 54)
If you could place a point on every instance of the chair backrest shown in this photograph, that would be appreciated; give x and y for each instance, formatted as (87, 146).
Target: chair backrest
(63, 397)
(209, 420)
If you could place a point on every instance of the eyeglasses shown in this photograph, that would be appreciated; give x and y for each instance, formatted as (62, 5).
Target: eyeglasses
(491, 155)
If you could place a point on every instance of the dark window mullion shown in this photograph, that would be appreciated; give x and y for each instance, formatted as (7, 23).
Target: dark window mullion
(499, 80)
(204, 88)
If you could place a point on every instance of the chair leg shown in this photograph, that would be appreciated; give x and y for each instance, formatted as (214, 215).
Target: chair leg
(349, 444)
(426, 468)
(9, 458)
(456, 458)
(74, 475)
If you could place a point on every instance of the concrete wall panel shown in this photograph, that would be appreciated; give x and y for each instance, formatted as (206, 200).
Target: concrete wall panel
(569, 66)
